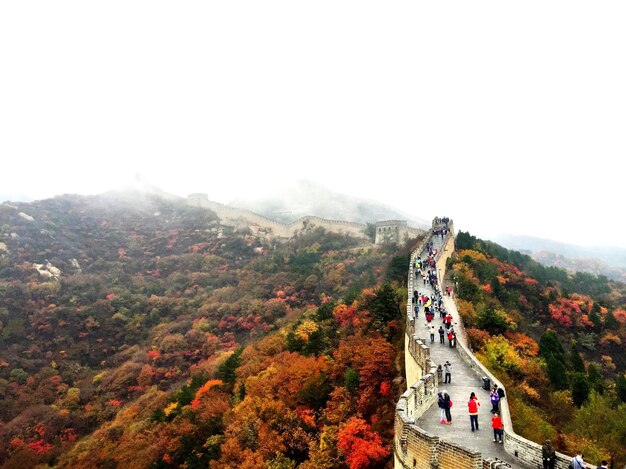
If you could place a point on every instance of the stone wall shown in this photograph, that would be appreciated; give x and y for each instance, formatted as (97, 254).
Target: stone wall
(414, 364)
(237, 216)
(451, 455)
(446, 251)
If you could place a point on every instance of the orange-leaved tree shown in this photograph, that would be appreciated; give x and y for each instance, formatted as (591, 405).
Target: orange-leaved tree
(361, 446)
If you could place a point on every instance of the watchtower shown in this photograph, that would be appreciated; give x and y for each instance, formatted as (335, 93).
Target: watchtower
(391, 231)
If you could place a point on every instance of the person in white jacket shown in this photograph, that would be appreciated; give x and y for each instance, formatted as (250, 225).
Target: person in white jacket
(447, 368)
(577, 461)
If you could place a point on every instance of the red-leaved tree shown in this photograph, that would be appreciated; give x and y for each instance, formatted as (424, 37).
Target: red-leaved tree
(361, 446)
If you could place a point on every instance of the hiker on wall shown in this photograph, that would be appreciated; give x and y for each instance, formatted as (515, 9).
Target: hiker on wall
(500, 391)
(548, 455)
(447, 367)
(498, 428)
(472, 406)
(451, 338)
(577, 461)
(447, 405)
(442, 407)
(494, 397)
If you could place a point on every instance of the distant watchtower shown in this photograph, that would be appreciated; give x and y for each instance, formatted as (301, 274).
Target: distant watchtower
(391, 231)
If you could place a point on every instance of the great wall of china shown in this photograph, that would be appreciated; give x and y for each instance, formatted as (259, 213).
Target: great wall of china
(416, 448)
(389, 230)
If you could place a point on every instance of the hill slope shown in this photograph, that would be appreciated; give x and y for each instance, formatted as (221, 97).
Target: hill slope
(138, 332)
(609, 261)
(554, 338)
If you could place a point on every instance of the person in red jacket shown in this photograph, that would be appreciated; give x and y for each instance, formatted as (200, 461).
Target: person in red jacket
(498, 427)
(472, 406)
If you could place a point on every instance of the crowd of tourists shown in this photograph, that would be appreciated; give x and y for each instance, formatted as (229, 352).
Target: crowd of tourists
(433, 305)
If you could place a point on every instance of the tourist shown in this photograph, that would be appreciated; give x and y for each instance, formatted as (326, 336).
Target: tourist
(604, 464)
(442, 333)
(472, 406)
(448, 372)
(548, 455)
(442, 408)
(577, 461)
(447, 405)
(432, 334)
(451, 338)
(495, 399)
(498, 428)
(500, 391)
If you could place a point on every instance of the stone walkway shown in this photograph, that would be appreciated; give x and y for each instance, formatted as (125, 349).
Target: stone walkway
(464, 382)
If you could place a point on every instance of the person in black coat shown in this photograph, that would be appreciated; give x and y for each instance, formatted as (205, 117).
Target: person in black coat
(447, 404)
(548, 455)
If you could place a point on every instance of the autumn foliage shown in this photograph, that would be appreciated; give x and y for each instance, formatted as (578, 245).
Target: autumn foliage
(361, 447)
(172, 340)
(553, 338)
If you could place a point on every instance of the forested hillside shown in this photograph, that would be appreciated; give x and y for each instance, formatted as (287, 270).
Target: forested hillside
(138, 332)
(555, 339)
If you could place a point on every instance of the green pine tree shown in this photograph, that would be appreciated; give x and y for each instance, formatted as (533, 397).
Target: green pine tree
(351, 380)
(549, 346)
(557, 373)
(610, 322)
(580, 389)
(621, 388)
(576, 360)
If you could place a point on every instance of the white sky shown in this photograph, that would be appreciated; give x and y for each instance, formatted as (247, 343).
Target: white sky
(505, 116)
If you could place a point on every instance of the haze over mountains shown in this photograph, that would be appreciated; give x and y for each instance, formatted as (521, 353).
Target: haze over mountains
(601, 260)
(309, 198)
(306, 197)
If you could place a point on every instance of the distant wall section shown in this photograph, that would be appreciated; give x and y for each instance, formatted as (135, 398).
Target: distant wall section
(259, 224)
